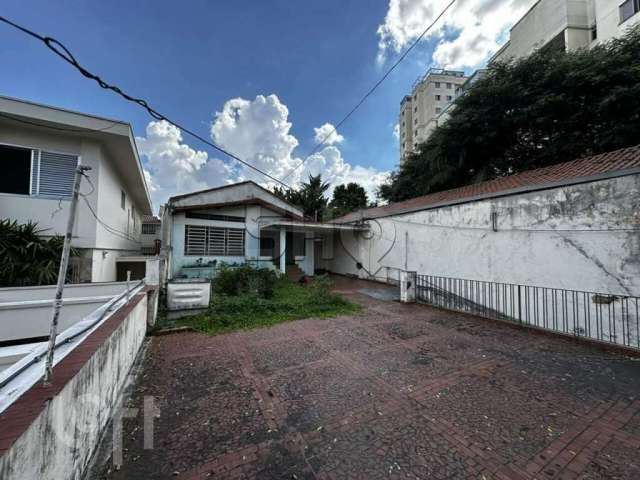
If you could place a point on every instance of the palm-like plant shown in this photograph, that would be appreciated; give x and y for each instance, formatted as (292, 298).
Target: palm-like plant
(28, 258)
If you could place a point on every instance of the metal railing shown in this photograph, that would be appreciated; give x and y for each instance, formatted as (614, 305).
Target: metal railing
(603, 317)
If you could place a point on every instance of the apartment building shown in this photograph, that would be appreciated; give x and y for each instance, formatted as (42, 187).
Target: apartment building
(569, 24)
(419, 112)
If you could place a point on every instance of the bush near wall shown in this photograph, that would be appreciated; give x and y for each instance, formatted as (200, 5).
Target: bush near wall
(28, 258)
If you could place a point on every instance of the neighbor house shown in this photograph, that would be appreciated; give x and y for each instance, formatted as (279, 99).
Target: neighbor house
(241, 223)
(40, 148)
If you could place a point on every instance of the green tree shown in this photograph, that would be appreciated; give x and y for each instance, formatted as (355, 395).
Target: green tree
(547, 108)
(310, 197)
(28, 258)
(347, 198)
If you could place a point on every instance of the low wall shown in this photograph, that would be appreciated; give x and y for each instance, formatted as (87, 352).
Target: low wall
(50, 432)
(33, 306)
(582, 237)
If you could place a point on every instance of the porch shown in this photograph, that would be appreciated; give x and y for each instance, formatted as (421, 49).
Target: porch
(298, 246)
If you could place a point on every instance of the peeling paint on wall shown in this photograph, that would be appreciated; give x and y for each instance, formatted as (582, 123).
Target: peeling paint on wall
(583, 237)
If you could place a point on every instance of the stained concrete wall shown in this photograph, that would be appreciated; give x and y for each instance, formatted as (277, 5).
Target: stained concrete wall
(60, 442)
(572, 237)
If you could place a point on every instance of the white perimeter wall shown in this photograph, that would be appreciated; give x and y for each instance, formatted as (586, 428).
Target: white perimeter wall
(458, 241)
(71, 422)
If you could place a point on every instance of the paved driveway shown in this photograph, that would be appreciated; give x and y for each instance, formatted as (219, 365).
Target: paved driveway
(398, 391)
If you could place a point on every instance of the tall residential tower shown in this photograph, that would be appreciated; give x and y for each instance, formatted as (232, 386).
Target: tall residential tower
(420, 111)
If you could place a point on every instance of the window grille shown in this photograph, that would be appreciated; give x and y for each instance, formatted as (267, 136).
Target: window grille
(213, 241)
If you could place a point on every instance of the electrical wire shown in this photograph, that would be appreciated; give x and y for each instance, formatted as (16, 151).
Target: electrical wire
(63, 52)
(371, 90)
(114, 231)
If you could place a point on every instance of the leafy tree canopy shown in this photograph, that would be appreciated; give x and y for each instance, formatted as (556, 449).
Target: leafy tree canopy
(347, 198)
(547, 108)
(310, 196)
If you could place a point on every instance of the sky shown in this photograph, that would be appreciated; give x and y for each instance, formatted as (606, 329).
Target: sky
(266, 80)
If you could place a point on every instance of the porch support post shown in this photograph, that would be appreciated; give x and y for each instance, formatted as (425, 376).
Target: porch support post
(407, 286)
(283, 250)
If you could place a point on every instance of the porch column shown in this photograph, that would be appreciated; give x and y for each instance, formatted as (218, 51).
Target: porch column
(283, 250)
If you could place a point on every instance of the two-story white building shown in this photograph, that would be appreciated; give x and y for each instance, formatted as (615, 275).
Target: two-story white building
(40, 148)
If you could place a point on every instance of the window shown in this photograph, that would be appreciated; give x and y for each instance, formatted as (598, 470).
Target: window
(437, 84)
(32, 172)
(123, 199)
(628, 9)
(438, 98)
(16, 175)
(213, 241)
(438, 110)
(149, 228)
(449, 98)
(133, 215)
(57, 174)
(415, 109)
(415, 121)
(449, 85)
(594, 33)
(267, 246)
(211, 216)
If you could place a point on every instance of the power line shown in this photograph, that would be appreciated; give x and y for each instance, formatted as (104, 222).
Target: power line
(112, 230)
(63, 52)
(371, 90)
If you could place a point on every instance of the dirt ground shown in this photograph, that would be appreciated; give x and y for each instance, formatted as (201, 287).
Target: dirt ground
(397, 391)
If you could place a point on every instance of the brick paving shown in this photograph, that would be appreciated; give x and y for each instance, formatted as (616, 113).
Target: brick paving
(397, 391)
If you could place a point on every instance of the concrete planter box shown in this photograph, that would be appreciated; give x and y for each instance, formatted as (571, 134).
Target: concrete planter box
(188, 294)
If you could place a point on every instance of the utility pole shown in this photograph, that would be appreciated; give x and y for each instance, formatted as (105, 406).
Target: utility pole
(62, 273)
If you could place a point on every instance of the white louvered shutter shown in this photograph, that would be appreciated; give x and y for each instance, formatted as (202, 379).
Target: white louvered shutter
(57, 172)
(235, 242)
(195, 240)
(35, 170)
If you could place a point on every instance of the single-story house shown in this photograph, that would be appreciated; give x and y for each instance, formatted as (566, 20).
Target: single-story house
(237, 224)
(40, 149)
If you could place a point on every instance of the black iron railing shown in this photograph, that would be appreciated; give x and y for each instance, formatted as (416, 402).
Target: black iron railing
(597, 316)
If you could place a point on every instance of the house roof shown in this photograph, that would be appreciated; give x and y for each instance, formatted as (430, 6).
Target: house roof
(621, 162)
(242, 193)
(116, 136)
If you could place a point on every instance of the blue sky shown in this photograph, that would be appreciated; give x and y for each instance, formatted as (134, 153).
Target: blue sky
(317, 58)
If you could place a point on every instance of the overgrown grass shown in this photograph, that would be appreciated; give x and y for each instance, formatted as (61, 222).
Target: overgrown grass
(289, 301)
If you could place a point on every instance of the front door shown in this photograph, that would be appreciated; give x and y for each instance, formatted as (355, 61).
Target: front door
(289, 253)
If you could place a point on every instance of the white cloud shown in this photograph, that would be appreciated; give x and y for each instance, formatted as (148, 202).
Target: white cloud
(327, 135)
(172, 167)
(396, 131)
(259, 131)
(466, 36)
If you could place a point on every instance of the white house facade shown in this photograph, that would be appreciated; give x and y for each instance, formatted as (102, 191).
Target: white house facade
(40, 147)
(237, 224)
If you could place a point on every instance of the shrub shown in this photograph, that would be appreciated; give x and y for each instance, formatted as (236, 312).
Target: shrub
(27, 257)
(244, 279)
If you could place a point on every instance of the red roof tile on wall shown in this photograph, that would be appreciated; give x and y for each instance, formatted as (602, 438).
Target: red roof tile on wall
(554, 176)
